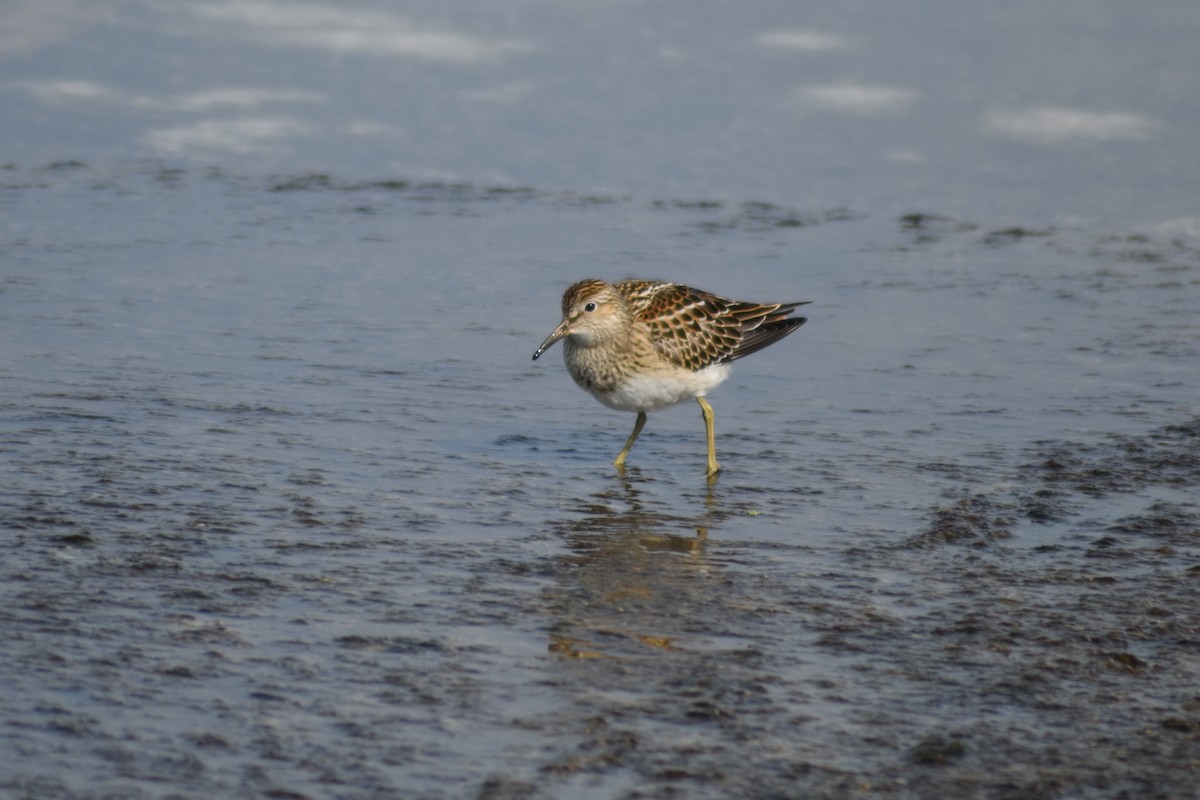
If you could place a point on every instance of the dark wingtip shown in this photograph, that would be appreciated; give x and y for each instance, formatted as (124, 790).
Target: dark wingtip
(766, 334)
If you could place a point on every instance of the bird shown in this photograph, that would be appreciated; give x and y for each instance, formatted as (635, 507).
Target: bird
(644, 345)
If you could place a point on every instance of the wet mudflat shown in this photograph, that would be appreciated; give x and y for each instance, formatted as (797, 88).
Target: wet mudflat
(288, 513)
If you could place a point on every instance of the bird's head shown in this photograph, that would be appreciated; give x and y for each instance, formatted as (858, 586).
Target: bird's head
(592, 312)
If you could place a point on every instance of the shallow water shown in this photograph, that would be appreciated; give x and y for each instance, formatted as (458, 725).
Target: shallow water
(288, 511)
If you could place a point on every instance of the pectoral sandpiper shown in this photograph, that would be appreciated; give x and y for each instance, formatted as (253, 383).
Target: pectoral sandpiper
(644, 345)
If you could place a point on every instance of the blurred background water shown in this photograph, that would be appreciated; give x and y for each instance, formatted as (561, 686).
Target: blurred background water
(287, 510)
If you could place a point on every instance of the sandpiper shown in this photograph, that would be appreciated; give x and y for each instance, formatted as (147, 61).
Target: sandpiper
(640, 345)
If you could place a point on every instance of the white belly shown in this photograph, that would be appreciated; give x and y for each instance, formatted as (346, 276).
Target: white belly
(650, 393)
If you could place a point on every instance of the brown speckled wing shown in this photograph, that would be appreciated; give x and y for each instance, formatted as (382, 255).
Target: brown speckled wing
(696, 329)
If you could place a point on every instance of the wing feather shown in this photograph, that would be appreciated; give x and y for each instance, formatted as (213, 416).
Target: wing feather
(696, 329)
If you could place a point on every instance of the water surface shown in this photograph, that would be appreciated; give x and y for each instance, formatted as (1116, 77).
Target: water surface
(288, 511)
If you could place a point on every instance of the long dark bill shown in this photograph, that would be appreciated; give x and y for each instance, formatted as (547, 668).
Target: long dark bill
(558, 333)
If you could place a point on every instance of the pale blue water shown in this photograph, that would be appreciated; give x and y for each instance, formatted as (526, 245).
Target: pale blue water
(288, 511)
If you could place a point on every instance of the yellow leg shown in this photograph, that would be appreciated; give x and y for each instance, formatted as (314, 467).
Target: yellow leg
(706, 410)
(637, 428)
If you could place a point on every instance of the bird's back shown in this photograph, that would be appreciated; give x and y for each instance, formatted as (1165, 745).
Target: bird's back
(696, 329)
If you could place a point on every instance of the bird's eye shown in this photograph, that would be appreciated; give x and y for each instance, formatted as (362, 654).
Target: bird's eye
(590, 307)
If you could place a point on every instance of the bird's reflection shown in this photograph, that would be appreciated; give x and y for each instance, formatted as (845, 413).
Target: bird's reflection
(637, 581)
